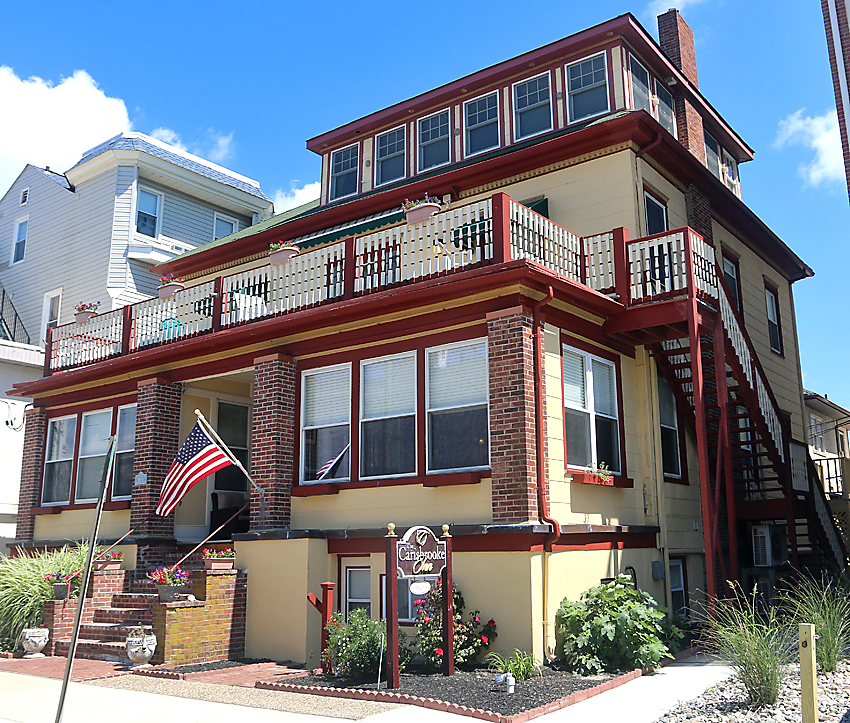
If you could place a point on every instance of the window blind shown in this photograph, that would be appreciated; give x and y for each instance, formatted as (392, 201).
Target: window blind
(574, 379)
(389, 388)
(327, 397)
(457, 376)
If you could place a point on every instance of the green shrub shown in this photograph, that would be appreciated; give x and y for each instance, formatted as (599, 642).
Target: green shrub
(23, 589)
(613, 626)
(756, 645)
(520, 665)
(354, 647)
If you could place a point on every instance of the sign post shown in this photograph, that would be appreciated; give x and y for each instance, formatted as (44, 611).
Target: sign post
(392, 608)
(448, 608)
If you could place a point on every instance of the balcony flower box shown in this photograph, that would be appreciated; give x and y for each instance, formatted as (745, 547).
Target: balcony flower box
(85, 311)
(420, 210)
(169, 285)
(107, 565)
(81, 317)
(280, 253)
(219, 559)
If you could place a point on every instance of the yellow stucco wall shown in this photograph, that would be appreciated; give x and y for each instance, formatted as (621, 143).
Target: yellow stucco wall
(77, 524)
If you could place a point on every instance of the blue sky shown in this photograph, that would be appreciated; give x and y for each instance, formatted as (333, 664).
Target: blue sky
(245, 85)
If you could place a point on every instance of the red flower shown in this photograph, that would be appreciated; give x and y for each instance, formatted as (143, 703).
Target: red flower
(477, 620)
(485, 639)
(491, 623)
(426, 619)
(439, 651)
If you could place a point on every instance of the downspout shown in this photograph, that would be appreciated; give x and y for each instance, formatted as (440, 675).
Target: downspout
(648, 148)
(542, 497)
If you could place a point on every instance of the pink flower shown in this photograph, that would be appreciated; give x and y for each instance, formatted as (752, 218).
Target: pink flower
(485, 639)
(491, 623)
(477, 620)
(439, 651)
(426, 619)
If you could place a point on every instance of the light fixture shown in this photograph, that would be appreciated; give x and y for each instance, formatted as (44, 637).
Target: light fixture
(670, 81)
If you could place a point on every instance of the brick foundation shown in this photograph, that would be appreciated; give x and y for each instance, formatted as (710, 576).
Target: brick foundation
(32, 469)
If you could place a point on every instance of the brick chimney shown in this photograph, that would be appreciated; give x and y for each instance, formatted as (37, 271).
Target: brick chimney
(677, 43)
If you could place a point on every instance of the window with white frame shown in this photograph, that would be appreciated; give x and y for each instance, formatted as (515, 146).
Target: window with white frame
(774, 329)
(125, 446)
(641, 88)
(532, 107)
(234, 423)
(59, 460)
(664, 107)
(25, 196)
(388, 416)
(587, 88)
(731, 275)
(712, 154)
(434, 137)
(325, 423)
(590, 402)
(481, 124)
(722, 164)
(816, 432)
(94, 444)
(389, 156)
(656, 214)
(358, 589)
(670, 451)
(223, 226)
(729, 171)
(457, 400)
(344, 172)
(678, 593)
(148, 212)
(406, 600)
(50, 311)
(19, 248)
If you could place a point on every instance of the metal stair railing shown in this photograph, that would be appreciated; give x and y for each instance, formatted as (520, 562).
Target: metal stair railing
(12, 327)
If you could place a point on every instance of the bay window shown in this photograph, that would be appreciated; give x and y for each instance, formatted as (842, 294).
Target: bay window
(325, 424)
(61, 436)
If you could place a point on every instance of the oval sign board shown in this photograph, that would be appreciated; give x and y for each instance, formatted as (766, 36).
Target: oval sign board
(420, 553)
(421, 587)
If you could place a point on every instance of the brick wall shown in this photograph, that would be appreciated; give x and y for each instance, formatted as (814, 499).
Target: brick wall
(208, 629)
(844, 33)
(699, 212)
(273, 439)
(512, 419)
(677, 41)
(32, 469)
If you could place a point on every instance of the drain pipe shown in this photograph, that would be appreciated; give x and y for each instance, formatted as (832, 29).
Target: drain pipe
(647, 148)
(542, 497)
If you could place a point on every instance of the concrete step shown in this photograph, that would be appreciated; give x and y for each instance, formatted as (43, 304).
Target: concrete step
(94, 649)
(128, 615)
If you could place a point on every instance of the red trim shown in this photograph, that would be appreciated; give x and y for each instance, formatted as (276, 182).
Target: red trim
(112, 403)
(51, 510)
(595, 542)
(56, 509)
(433, 480)
(594, 479)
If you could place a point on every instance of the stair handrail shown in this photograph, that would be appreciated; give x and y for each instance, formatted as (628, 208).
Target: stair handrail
(825, 514)
(12, 332)
(753, 370)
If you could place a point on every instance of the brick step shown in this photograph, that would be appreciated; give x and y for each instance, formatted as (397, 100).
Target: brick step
(93, 650)
(134, 599)
(107, 631)
(126, 615)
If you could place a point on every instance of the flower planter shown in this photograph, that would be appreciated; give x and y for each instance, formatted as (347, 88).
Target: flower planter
(169, 593)
(167, 290)
(282, 255)
(33, 641)
(81, 317)
(140, 650)
(218, 563)
(101, 565)
(60, 590)
(422, 212)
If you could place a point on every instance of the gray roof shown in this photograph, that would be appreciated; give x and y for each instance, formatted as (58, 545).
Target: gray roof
(57, 178)
(158, 149)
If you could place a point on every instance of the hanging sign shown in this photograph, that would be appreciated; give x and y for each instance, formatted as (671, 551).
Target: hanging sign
(420, 553)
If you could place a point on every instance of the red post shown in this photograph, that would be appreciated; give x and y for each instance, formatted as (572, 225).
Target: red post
(501, 227)
(48, 351)
(217, 303)
(325, 606)
(448, 609)
(126, 328)
(622, 277)
(349, 268)
(392, 608)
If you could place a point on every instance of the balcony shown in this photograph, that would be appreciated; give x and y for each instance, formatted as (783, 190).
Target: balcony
(491, 231)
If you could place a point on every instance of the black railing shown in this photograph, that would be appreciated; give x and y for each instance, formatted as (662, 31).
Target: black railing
(11, 326)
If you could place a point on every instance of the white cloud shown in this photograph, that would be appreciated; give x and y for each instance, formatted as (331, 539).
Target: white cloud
(47, 124)
(821, 134)
(166, 135)
(221, 148)
(295, 196)
(659, 7)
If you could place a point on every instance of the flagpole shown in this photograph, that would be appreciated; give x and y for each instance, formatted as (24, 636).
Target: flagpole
(72, 648)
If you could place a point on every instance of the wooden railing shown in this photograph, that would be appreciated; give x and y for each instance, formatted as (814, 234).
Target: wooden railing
(537, 238)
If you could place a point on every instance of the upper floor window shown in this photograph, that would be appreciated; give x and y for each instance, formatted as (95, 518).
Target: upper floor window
(722, 164)
(587, 88)
(670, 452)
(712, 154)
(656, 214)
(59, 460)
(434, 136)
(325, 423)
(344, 172)
(532, 107)
(389, 156)
(729, 169)
(641, 89)
(50, 311)
(25, 195)
(481, 122)
(774, 327)
(147, 214)
(223, 226)
(816, 432)
(731, 275)
(19, 248)
(590, 408)
(664, 107)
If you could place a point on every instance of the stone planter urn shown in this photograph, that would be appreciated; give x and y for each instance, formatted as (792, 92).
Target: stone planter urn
(100, 565)
(422, 212)
(169, 289)
(33, 641)
(218, 563)
(81, 317)
(169, 593)
(60, 590)
(283, 254)
(140, 650)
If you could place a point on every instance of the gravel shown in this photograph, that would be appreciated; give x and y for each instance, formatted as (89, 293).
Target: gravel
(728, 702)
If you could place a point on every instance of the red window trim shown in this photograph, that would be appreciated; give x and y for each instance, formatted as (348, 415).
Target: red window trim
(773, 289)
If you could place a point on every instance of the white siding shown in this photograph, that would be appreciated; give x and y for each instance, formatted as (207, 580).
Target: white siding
(125, 192)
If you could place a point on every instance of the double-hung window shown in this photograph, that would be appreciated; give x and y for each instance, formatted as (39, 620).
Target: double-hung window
(481, 120)
(325, 424)
(641, 88)
(587, 88)
(50, 311)
(389, 156)
(731, 275)
(19, 248)
(147, 213)
(666, 113)
(94, 444)
(532, 107)
(223, 226)
(774, 328)
(358, 589)
(590, 410)
(730, 173)
(457, 398)
(670, 451)
(122, 477)
(344, 172)
(816, 432)
(61, 436)
(656, 214)
(388, 417)
(434, 139)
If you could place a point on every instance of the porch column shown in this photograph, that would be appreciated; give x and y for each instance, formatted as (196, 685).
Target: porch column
(273, 439)
(513, 431)
(32, 469)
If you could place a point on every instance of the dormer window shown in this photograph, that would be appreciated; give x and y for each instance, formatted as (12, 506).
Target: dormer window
(389, 156)
(532, 107)
(722, 164)
(587, 88)
(344, 172)
(641, 93)
(666, 114)
(481, 123)
(434, 147)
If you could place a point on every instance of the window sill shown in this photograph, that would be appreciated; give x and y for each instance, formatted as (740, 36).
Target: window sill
(433, 480)
(56, 509)
(592, 479)
(676, 480)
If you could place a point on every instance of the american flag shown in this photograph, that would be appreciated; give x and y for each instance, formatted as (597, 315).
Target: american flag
(198, 457)
(331, 463)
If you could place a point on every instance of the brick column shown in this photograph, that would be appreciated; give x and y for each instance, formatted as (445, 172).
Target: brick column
(32, 469)
(157, 442)
(698, 207)
(512, 423)
(273, 439)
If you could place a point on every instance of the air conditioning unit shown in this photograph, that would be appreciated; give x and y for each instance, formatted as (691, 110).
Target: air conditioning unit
(770, 545)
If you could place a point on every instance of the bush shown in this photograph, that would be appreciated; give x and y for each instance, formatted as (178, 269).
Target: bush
(23, 589)
(520, 665)
(470, 636)
(755, 645)
(354, 647)
(613, 626)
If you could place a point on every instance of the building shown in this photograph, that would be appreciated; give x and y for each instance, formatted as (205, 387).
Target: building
(835, 22)
(585, 362)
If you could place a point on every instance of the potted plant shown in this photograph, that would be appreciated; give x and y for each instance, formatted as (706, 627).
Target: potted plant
(34, 639)
(168, 581)
(85, 311)
(421, 209)
(140, 646)
(169, 285)
(281, 251)
(61, 584)
(108, 561)
(219, 559)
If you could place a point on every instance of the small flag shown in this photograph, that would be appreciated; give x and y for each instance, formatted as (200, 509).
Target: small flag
(331, 463)
(198, 457)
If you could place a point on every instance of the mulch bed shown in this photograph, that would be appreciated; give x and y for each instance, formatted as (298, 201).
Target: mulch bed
(217, 665)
